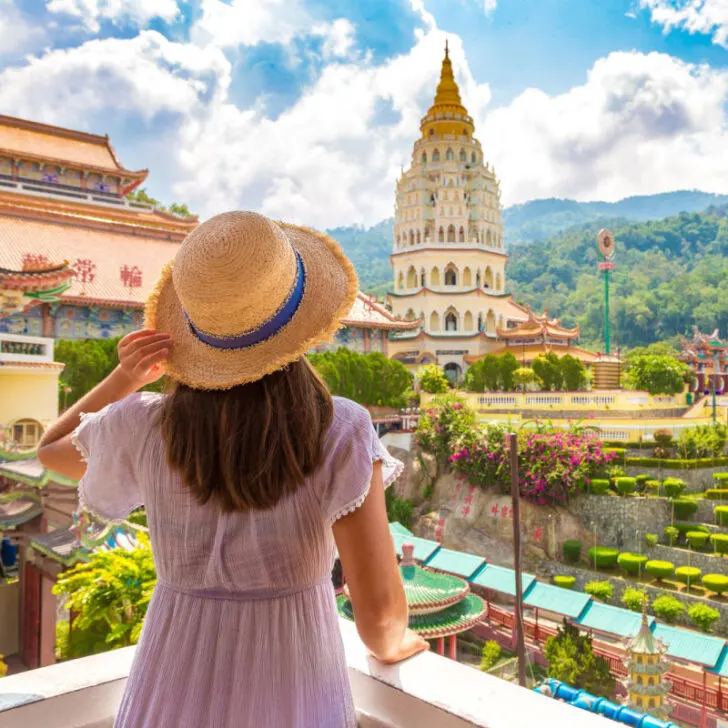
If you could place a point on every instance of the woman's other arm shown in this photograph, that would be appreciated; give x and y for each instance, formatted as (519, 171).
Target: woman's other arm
(372, 575)
(140, 355)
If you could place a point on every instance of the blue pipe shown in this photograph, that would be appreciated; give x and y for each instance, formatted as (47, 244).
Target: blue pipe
(602, 706)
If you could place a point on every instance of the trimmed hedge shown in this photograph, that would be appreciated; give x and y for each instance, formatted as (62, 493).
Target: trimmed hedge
(619, 452)
(625, 486)
(720, 542)
(697, 539)
(601, 590)
(651, 539)
(673, 487)
(565, 582)
(703, 616)
(688, 526)
(716, 494)
(677, 464)
(653, 486)
(632, 563)
(571, 550)
(688, 574)
(633, 599)
(684, 508)
(668, 608)
(672, 535)
(721, 515)
(660, 569)
(716, 583)
(642, 479)
(721, 479)
(603, 557)
(598, 486)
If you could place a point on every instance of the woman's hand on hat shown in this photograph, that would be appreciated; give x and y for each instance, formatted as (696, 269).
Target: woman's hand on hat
(141, 356)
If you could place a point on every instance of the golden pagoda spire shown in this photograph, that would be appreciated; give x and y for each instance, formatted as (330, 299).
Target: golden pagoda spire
(447, 115)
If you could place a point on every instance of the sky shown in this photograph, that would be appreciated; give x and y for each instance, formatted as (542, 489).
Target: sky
(306, 110)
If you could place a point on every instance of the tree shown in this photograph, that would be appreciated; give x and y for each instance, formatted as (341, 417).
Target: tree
(432, 379)
(523, 377)
(110, 595)
(547, 369)
(657, 374)
(571, 659)
(573, 373)
(175, 208)
(492, 373)
(509, 366)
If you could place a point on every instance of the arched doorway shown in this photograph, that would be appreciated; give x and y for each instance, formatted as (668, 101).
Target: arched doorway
(453, 372)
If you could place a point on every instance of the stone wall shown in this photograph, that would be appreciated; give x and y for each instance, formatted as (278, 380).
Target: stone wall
(705, 510)
(707, 563)
(698, 479)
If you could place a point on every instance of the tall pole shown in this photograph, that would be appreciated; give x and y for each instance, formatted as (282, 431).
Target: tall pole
(716, 371)
(515, 498)
(605, 242)
(607, 338)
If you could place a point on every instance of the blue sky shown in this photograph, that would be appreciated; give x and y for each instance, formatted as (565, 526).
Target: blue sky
(307, 109)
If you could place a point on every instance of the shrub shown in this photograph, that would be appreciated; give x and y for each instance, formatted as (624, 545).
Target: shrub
(687, 574)
(716, 494)
(603, 557)
(490, 655)
(626, 486)
(651, 539)
(662, 437)
(684, 508)
(448, 421)
(632, 563)
(601, 590)
(571, 550)
(565, 582)
(721, 515)
(598, 486)
(702, 441)
(653, 486)
(617, 453)
(716, 583)
(634, 598)
(673, 487)
(697, 539)
(660, 569)
(668, 608)
(685, 527)
(671, 534)
(399, 509)
(721, 480)
(703, 616)
(641, 481)
(720, 543)
(432, 379)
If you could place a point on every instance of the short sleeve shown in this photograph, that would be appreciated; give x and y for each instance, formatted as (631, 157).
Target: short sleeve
(352, 449)
(109, 488)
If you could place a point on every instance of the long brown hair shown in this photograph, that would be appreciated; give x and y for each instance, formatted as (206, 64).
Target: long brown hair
(249, 446)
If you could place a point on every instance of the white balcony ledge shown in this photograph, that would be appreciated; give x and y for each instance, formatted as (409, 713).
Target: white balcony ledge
(426, 691)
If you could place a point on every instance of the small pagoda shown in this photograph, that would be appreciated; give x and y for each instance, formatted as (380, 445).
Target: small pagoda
(646, 686)
(440, 605)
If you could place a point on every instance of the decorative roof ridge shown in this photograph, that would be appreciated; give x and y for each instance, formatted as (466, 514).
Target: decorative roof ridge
(85, 136)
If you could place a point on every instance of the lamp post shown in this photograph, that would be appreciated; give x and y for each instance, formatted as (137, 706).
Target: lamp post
(605, 241)
(716, 372)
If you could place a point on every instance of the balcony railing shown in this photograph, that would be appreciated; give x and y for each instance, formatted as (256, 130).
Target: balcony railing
(25, 349)
(425, 691)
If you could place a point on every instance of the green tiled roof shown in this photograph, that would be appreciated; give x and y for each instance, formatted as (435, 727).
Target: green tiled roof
(456, 562)
(555, 599)
(423, 548)
(424, 587)
(612, 620)
(687, 645)
(397, 528)
(721, 667)
(502, 580)
(457, 618)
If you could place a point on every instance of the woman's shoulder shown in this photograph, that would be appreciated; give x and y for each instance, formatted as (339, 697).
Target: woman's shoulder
(348, 413)
(140, 406)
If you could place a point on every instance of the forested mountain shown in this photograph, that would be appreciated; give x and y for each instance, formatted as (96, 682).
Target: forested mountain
(669, 275)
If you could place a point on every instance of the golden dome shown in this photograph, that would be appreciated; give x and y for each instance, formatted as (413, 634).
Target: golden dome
(447, 115)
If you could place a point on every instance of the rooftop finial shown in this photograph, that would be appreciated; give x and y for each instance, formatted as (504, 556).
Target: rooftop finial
(446, 52)
(408, 555)
(645, 601)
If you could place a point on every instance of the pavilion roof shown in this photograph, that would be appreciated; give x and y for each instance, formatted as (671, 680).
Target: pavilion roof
(455, 562)
(556, 599)
(613, 620)
(18, 507)
(535, 326)
(427, 590)
(368, 313)
(423, 547)
(687, 645)
(501, 579)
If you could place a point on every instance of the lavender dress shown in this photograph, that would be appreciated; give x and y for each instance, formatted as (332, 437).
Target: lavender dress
(242, 630)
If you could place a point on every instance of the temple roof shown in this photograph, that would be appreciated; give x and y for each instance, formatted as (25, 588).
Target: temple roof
(535, 326)
(645, 642)
(695, 347)
(66, 147)
(36, 281)
(367, 313)
(529, 352)
(18, 507)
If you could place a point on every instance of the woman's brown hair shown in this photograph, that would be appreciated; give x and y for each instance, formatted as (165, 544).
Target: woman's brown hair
(249, 446)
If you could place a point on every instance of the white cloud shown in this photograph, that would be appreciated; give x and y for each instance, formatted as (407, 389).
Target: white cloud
(136, 12)
(338, 38)
(640, 124)
(17, 33)
(696, 16)
(489, 6)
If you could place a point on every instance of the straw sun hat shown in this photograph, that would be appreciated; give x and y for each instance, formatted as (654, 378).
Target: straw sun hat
(245, 296)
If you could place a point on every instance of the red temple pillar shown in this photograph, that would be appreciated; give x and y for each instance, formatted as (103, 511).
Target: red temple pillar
(441, 646)
(453, 651)
(487, 603)
(536, 614)
(704, 708)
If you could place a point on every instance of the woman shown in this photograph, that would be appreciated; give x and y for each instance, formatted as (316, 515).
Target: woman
(249, 472)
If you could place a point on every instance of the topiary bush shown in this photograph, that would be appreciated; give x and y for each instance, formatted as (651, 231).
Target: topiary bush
(565, 582)
(668, 608)
(634, 598)
(716, 583)
(703, 616)
(684, 508)
(720, 543)
(603, 557)
(685, 527)
(653, 487)
(721, 480)
(671, 534)
(599, 486)
(687, 575)
(625, 486)
(660, 569)
(601, 590)
(632, 563)
(641, 481)
(673, 487)
(721, 515)
(491, 654)
(651, 539)
(662, 437)
(571, 550)
(720, 494)
(697, 539)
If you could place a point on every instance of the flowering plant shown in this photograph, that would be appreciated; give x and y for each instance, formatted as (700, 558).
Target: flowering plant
(448, 421)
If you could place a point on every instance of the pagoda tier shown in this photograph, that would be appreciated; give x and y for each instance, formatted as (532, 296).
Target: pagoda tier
(440, 605)
(539, 329)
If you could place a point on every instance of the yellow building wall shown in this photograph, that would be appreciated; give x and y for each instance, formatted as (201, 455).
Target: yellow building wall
(28, 395)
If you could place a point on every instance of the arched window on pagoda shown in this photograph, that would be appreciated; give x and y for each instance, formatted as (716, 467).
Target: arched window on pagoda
(498, 282)
(473, 158)
(435, 277)
(436, 156)
(487, 238)
(411, 237)
(419, 239)
(468, 321)
(441, 235)
(461, 234)
(490, 322)
(450, 233)
(488, 279)
(477, 279)
(463, 156)
(467, 278)
(423, 280)
(412, 277)
(480, 322)
(449, 155)
(424, 158)
(451, 275)
(400, 281)
(410, 315)
(434, 321)
(398, 242)
(451, 320)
